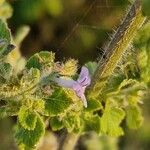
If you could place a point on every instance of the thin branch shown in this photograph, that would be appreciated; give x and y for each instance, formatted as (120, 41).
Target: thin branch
(116, 48)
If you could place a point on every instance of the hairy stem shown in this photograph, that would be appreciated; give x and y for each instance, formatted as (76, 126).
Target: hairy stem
(70, 141)
(116, 48)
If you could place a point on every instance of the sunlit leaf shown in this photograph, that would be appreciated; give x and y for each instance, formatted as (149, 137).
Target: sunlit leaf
(30, 137)
(134, 117)
(57, 103)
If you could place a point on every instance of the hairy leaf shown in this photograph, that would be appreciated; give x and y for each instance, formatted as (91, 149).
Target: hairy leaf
(5, 70)
(27, 118)
(41, 59)
(30, 137)
(57, 103)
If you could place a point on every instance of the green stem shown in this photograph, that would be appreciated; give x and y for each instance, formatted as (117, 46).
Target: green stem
(116, 48)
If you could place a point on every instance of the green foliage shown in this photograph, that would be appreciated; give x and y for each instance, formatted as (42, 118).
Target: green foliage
(92, 67)
(73, 122)
(5, 39)
(56, 123)
(93, 105)
(111, 120)
(142, 43)
(146, 10)
(4, 32)
(5, 70)
(27, 118)
(30, 137)
(31, 94)
(134, 117)
(41, 59)
(57, 103)
(92, 123)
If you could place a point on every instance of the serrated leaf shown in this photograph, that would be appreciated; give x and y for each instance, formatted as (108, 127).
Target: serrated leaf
(93, 105)
(5, 70)
(30, 79)
(73, 123)
(56, 124)
(38, 60)
(69, 68)
(134, 117)
(30, 137)
(111, 120)
(27, 118)
(57, 103)
(92, 123)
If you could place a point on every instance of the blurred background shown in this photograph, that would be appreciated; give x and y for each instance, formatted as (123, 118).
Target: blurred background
(78, 29)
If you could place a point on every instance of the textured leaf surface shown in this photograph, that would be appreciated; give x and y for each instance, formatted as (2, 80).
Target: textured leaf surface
(111, 120)
(5, 70)
(30, 79)
(134, 117)
(57, 103)
(73, 123)
(93, 105)
(26, 118)
(40, 59)
(4, 31)
(30, 137)
(92, 123)
(56, 124)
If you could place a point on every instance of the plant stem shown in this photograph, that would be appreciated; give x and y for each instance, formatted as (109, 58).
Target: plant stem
(116, 48)
(70, 141)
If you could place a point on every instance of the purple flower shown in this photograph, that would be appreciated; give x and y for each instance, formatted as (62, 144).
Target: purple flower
(78, 86)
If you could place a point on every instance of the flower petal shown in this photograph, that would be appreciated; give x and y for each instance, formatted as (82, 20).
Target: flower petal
(84, 77)
(67, 83)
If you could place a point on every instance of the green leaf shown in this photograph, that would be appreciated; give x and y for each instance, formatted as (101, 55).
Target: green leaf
(5, 70)
(93, 105)
(92, 123)
(27, 118)
(41, 59)
(111, 120)
(91, 67)
(145, 7)
(30, 79)
(30, 137)
(134, 117)
(56, 124)
(73, 122)
(5, 39)
(4, 32)
(57, 103)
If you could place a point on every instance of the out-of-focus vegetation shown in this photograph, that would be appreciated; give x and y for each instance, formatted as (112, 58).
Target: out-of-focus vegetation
(78, 29)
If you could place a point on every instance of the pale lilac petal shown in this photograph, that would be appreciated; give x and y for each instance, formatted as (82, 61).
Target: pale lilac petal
(67, 83)
(80, 92)
(84, 78)
(84, 73)
(83, 98)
